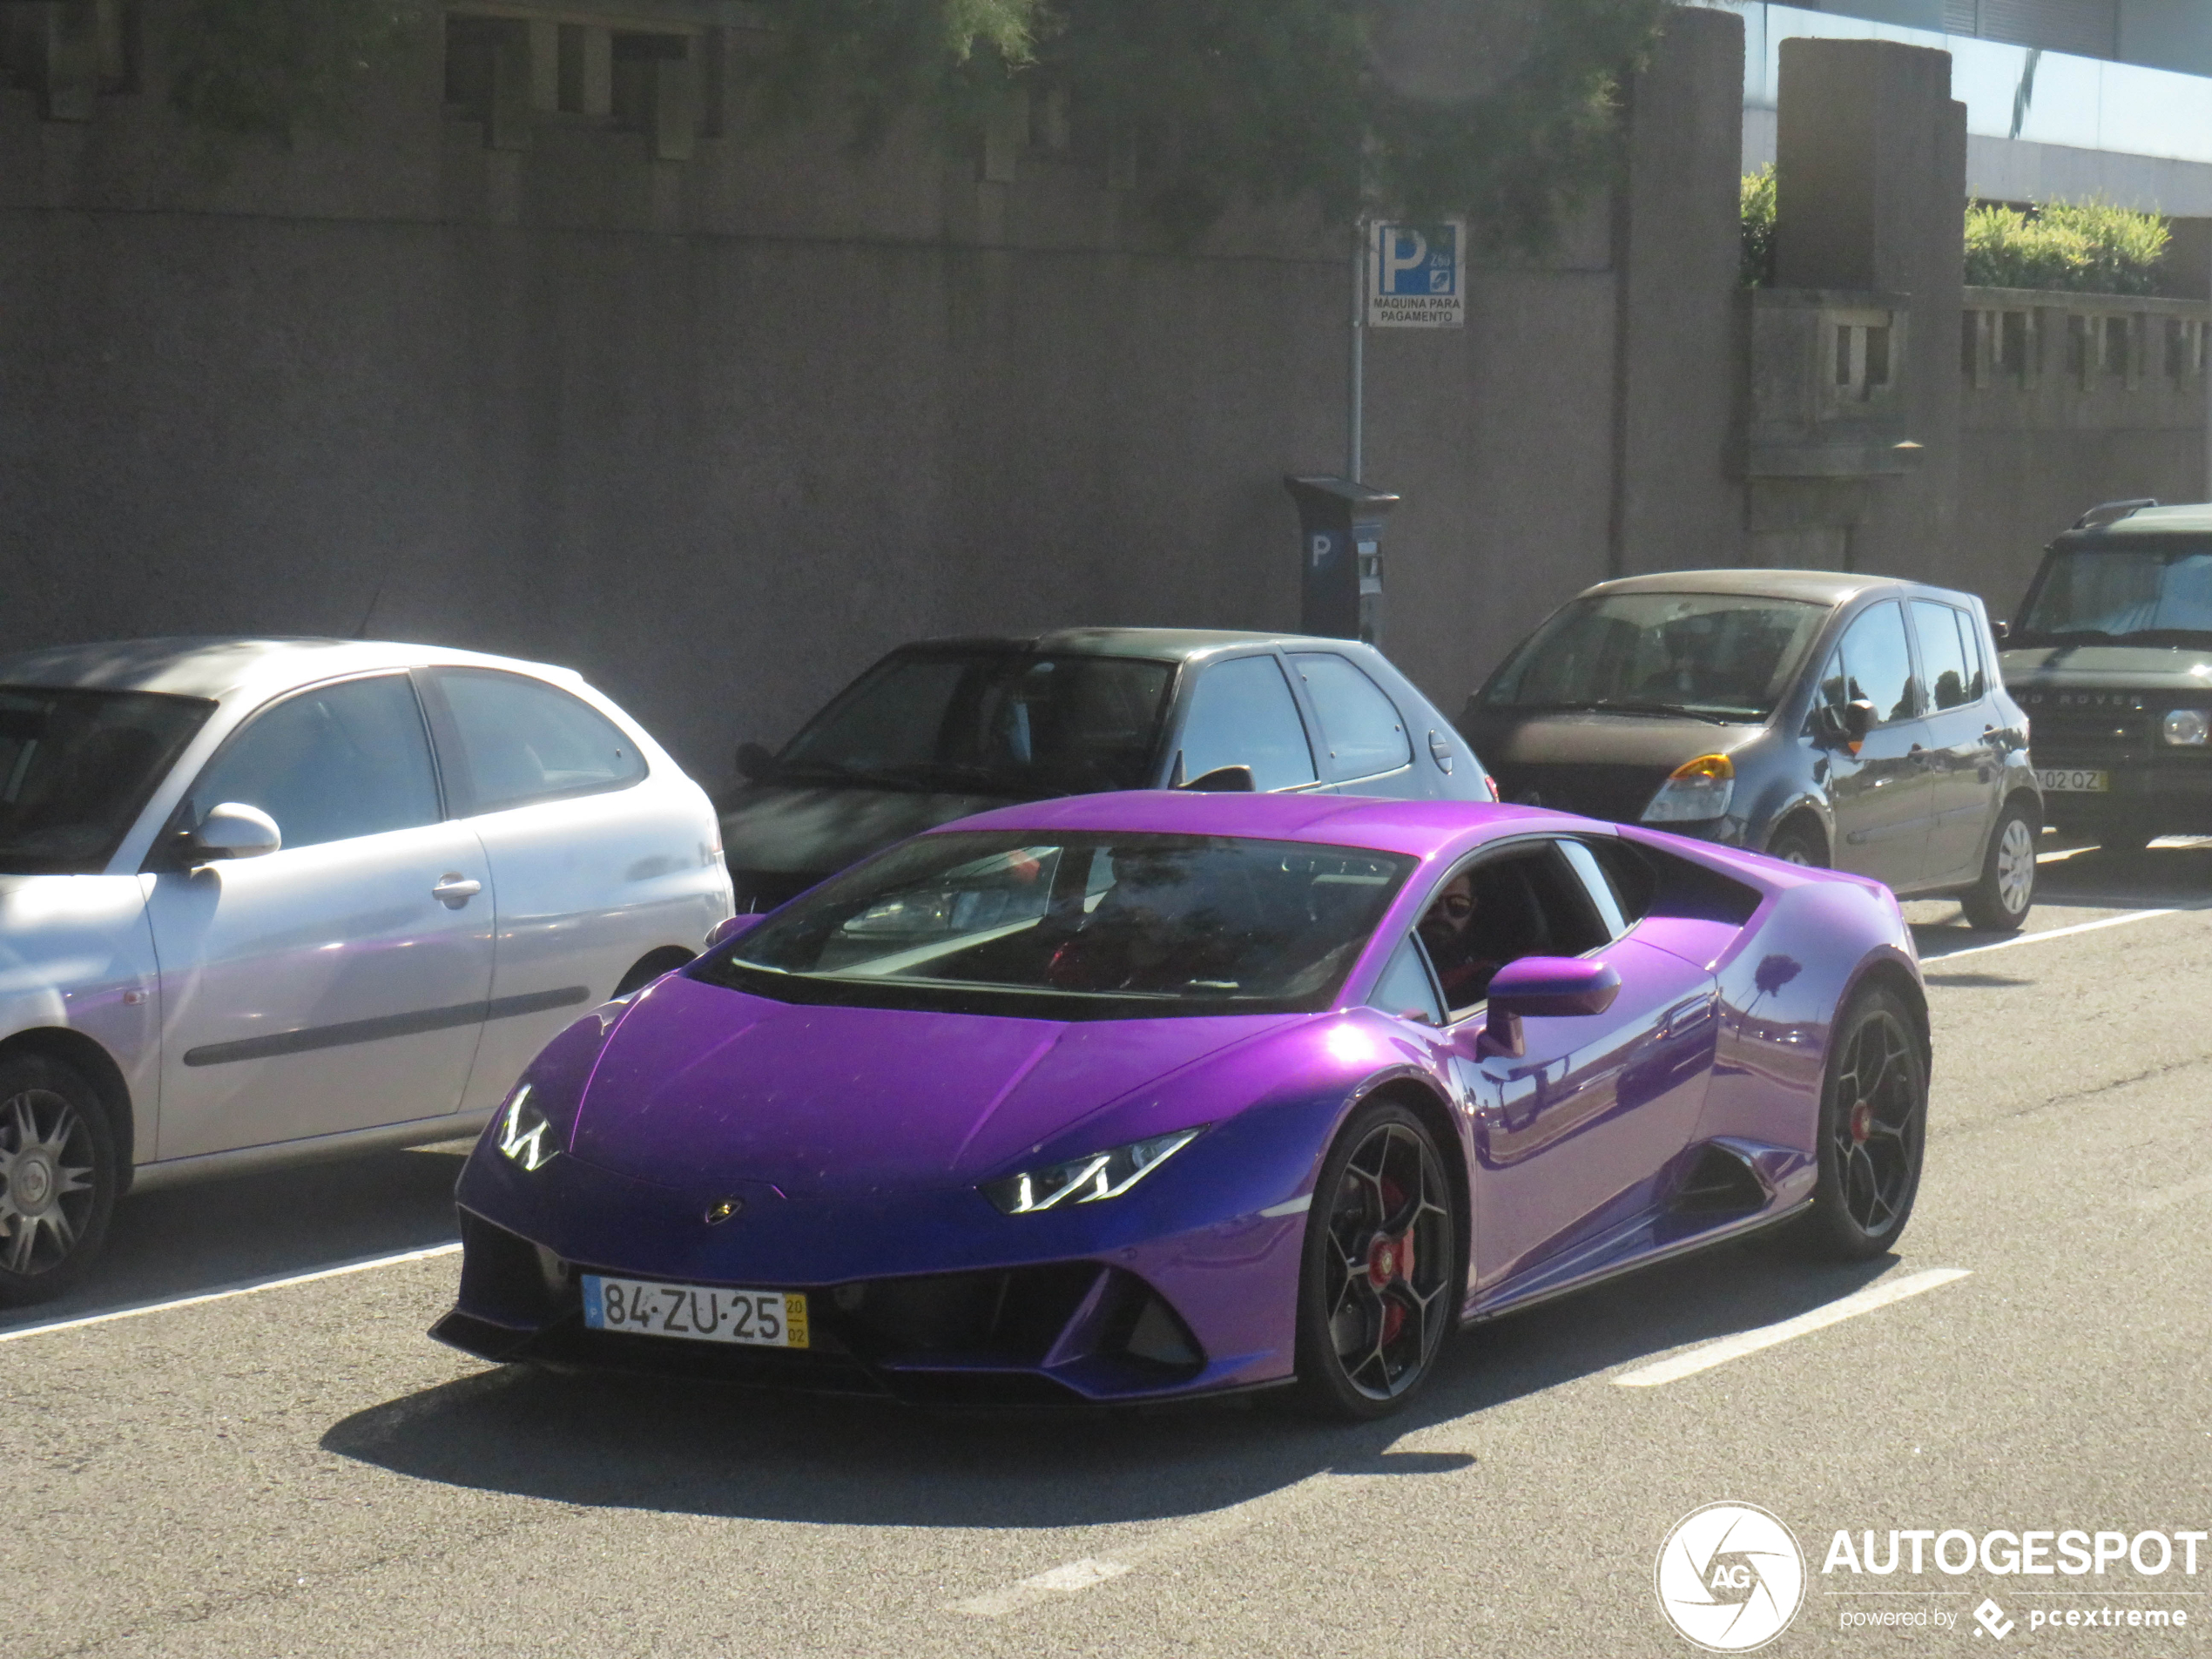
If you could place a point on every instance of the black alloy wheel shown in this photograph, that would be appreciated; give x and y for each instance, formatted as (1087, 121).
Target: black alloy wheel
(1377, 1294)
(59, 1175)
(1796, 842)
(1874, 1130)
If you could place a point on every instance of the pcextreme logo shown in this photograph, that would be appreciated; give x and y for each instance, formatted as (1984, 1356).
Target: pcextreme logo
(1730, 1577)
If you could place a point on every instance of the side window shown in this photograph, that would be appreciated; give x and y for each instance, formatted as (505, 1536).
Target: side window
(1242, 714)
(1525, 902)
(1405, 988)
(1943, 654)
(1359, 726)
(1878, 665)
(1977, 666)
(331, 764)
(523, 741)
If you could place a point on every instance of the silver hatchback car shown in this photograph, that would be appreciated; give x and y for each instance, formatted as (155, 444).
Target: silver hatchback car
(263, 901)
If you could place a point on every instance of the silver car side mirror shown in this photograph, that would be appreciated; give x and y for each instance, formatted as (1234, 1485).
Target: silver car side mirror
(234, 830)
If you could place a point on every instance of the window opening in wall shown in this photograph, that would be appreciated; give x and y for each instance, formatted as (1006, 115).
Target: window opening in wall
(568, 70)
(2012, 343)
(637, 75)
(474, 46)
(2115, 345)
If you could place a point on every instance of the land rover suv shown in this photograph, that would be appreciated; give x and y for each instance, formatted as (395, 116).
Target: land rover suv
(2111, 658)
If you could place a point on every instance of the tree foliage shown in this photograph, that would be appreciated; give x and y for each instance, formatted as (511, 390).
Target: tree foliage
(272, 68)
(1757, 201)
(1500, 109)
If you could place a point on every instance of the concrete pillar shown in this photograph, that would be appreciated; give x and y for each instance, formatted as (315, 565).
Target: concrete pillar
(1676, 234)
(1870, 190)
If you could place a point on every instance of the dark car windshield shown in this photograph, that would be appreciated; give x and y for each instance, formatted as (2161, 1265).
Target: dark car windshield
(996, 722)
(2148, 595)
(1081, 927)
(1712, 656)
(77, 767)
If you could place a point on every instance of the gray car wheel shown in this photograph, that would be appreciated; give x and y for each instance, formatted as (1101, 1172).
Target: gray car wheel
(59, 1175)
(1999, 903)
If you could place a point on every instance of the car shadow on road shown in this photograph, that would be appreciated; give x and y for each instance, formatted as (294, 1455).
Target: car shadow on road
(186, 1241)
(650, 1443)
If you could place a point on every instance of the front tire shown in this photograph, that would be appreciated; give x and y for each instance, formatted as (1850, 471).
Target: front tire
(2000, 902)
(1798, 842)
(59, 1173)
(1872, 1133)
(1376, 1292)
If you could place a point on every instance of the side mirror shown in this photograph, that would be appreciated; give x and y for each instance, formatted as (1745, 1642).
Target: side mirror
(724, 932)
(1544, 988)
(1223, 780)
(755, 764)
(1858, 720)
(233, 830)
(2003, 630)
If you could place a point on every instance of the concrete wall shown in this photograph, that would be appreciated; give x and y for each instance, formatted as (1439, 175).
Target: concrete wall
(719, 431)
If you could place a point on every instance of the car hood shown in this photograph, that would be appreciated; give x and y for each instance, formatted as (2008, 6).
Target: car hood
(2172, 667)
(698, 1082)
(1589, 738)
(817, 829)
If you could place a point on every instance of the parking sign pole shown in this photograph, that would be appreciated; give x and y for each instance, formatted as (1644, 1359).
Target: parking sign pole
(1355, 422)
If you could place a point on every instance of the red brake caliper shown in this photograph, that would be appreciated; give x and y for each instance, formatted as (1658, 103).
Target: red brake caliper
(1390, 1258)
(1862, 1122)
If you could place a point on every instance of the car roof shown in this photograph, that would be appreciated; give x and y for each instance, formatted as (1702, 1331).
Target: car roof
(1172, 644)
(1418, 827)
(1814, 587)
(2191, 519)
(216, 666)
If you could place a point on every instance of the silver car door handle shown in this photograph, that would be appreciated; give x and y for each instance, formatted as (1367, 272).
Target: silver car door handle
(456, 890)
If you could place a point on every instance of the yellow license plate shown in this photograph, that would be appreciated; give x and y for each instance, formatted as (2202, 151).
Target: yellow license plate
(2075, 780)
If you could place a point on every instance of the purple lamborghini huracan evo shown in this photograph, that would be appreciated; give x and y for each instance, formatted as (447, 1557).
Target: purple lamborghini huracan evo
(1125, 1096)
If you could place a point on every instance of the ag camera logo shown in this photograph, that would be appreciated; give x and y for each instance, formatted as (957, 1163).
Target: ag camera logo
(1730, 1577)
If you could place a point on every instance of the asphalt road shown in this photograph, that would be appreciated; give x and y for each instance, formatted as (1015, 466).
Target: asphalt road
(297, 1470)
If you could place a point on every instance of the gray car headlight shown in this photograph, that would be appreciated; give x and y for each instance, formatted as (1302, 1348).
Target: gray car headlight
(523, 1132)
(1696, 790)
(1086, 1180)
(2185, 728)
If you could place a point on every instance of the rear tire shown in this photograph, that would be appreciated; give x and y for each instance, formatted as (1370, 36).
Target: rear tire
(1377, 1290)
(1999, 903)
(59, 1174)
(1872, 1132)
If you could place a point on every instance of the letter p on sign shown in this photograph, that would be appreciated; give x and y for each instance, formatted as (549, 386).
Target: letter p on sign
(1417, 275)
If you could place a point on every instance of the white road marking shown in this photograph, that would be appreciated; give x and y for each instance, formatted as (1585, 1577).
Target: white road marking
(1744, 1342)
(2056, 933)
(229, 1291)
(1177, 1539)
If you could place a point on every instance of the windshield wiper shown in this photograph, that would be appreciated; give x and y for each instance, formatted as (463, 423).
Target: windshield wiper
(1676, 710)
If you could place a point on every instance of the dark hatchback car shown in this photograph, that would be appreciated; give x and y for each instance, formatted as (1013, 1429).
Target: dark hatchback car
(1846, 720)
(2110, 655)
(944, 728)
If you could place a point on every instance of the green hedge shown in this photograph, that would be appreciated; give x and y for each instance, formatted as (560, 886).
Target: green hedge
(2081, 247)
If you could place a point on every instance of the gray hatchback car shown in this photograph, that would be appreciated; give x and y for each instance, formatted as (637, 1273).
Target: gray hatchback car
(1855, 721)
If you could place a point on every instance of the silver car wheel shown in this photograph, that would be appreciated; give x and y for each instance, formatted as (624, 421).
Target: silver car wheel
(46, 1180)
(2016, 867)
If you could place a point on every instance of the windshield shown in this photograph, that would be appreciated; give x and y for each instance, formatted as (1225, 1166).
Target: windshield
(1710, 656)
(2148, 596)
(77, 767)
(1074, 927)
(993, 721)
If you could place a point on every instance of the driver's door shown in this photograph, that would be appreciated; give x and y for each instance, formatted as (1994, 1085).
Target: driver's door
(340, 982)
(1571, 1135)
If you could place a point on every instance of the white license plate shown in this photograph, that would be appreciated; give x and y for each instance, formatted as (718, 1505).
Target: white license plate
(2075, 780)
(696, 1313)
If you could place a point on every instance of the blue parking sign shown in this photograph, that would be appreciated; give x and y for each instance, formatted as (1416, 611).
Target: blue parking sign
(1417, 275)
